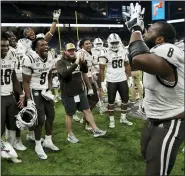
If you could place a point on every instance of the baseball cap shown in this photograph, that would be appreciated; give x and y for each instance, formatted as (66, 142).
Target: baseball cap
(70, 46)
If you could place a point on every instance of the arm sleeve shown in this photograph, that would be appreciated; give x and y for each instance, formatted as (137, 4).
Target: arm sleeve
(63, 71)
(27, 66)
(103, 57)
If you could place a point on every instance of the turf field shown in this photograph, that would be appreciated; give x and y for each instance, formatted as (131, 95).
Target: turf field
(118, 153)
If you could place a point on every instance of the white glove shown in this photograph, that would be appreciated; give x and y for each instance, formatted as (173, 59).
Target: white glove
(130, 82)
(90, 92)
(47, 95)
(30, 102)
(41, 35)
(56, 14)
(104, 87)
(136, 17)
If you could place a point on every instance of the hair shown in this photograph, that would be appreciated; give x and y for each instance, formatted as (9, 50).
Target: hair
(82, 42)
(167, 31)
(34, 43)
(4, 36)
(25, 32)
(9, 33)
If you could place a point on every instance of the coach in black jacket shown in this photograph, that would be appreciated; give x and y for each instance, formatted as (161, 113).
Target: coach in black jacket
(73, 89)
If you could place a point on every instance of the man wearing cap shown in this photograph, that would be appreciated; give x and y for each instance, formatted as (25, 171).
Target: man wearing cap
(73, 89)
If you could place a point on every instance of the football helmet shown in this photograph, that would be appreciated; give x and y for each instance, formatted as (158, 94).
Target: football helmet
(26, 118)
(98, 43)
(113, 41)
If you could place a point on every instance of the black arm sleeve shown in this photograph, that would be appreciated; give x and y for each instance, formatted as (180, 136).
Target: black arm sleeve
(63, 71)
(84, 67)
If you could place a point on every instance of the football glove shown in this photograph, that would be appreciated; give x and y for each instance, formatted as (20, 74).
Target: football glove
(90, 92)
(104, 87)
(56, 14)
(47, 94)
(136, 18)
(130, 82)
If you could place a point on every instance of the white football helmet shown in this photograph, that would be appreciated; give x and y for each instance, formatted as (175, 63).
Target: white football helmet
(26, 118)
(98, 43)
(7, 151)
(113, 41)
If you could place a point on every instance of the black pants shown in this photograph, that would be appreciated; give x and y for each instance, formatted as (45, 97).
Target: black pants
(45, 109)
(8, 112)
(160, 142)
(121, 87)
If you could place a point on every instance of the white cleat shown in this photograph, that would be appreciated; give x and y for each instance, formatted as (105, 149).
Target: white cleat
(16, 160)
(82, 120)
(112, 124)
(18, 145)
(124, 120)
(49, 144)
(40, 152)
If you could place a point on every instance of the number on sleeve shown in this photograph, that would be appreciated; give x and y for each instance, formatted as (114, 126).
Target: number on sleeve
(170, 52)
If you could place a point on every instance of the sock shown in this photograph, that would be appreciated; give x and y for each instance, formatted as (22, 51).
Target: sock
(111, 118)
(38, 143)
(48, 137)
(123, 116)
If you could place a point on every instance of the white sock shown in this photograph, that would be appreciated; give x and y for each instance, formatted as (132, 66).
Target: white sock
(48, 137)
(123, 116)
(111, 118)
(11, 137)
(38, 143)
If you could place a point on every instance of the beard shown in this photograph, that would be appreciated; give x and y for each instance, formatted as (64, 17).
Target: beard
(150, 42)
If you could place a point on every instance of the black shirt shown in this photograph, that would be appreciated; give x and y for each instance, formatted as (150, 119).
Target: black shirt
(70, 76)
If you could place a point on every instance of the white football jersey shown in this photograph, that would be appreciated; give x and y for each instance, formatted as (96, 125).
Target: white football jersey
(162, 102)
(180, 45)
(7, 68)
(96, 53)
(89, 58)
(38, 69)
(115, 64)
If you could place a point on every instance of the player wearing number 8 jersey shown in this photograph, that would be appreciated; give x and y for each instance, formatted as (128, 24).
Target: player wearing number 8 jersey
(117, 67)
(37, 80)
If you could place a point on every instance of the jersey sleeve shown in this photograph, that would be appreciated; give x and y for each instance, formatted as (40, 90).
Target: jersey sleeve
(168, 52)
(27, 65)
(103, 57)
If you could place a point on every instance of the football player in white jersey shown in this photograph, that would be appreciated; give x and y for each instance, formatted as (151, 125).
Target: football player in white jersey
(163, 80)
(96, 52)
(29, 34)
(116, 76)
(9, 84)
(18, 69)
(93, 99)
(37, 81)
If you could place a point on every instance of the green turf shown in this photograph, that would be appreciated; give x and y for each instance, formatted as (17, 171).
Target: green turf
(118, 153)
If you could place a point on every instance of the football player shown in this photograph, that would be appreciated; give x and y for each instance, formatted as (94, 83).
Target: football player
(86, 46)
(9, 84)
(18, 69)
(163, 80)
(116, 76)
(37, 81)
(96, 51)
(25, 43)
